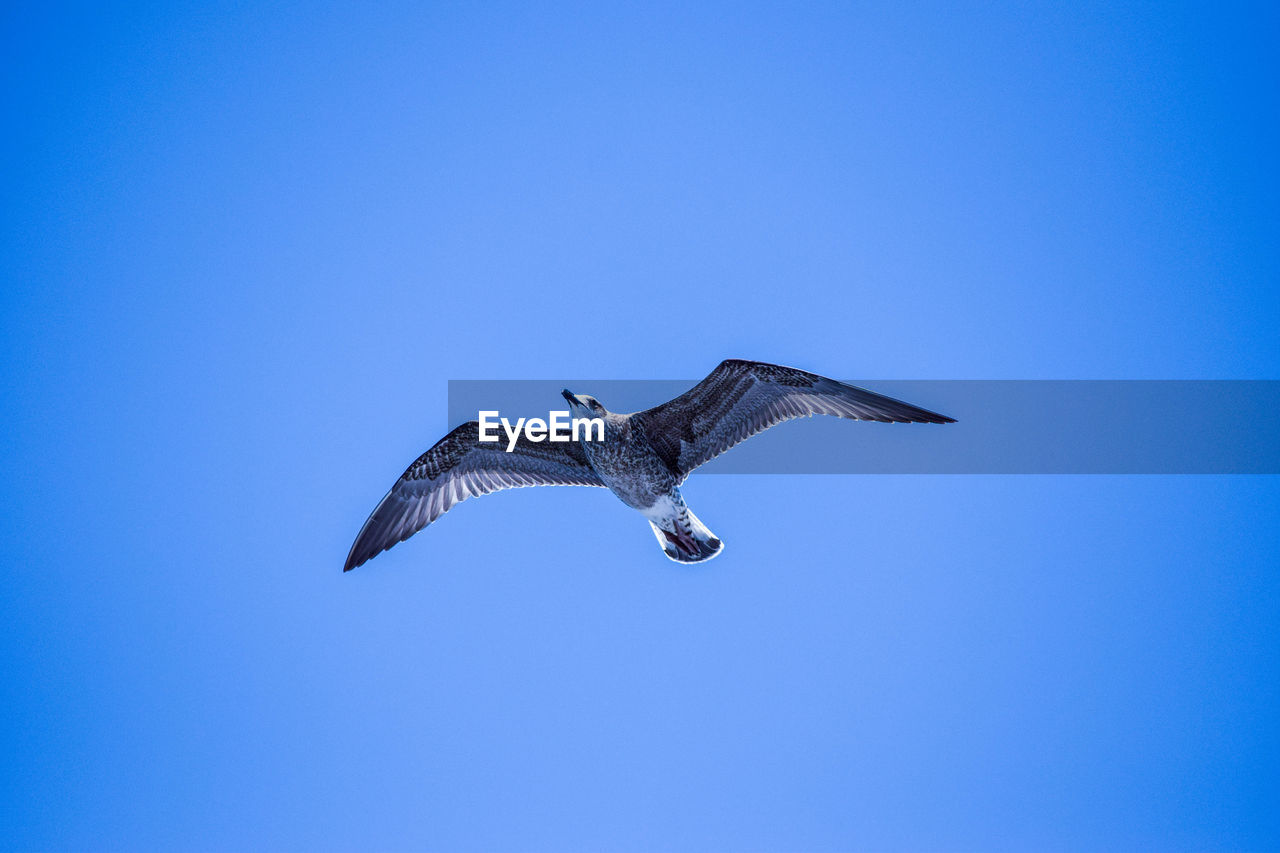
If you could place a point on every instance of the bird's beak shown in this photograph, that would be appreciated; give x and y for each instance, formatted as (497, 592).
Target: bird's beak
(568, 395)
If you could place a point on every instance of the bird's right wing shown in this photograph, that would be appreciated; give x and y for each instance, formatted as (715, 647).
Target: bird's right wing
(461, 466)
(741, 398)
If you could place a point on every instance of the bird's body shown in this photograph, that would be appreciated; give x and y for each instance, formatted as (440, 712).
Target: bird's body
(629, 466)
(626, 463)
(642, 458)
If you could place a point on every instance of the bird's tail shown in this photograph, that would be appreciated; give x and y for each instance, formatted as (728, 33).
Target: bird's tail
(685, 539)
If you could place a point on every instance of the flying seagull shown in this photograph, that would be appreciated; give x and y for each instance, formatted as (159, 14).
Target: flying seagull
(643, 458)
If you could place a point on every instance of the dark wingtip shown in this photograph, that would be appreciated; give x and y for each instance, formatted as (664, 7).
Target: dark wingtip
(354, 562)
(917, 418)
(927, 417)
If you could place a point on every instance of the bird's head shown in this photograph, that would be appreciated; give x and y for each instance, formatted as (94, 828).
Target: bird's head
(584, 405)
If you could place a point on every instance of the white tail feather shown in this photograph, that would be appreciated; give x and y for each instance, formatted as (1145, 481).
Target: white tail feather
(684, 538)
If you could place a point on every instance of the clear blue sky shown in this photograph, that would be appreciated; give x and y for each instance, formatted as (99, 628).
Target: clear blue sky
(244, 248)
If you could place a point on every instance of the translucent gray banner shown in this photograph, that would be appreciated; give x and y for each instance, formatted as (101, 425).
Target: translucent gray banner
(1004, 426)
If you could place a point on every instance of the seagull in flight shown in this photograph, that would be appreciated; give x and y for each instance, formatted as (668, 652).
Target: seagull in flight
(643, 457)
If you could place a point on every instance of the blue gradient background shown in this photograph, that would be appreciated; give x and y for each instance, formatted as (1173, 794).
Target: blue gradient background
(245, 247)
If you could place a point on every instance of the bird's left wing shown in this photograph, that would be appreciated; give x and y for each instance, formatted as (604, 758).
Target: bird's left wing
(741, 398)
(460, 466)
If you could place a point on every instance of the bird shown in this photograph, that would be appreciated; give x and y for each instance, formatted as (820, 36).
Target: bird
(643, 458)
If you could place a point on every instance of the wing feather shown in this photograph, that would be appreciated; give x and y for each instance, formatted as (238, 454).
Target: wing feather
(742, 398)
(458, 467)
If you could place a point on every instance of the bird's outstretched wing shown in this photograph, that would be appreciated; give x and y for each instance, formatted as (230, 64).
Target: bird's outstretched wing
(741, 398)
(460, 466)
